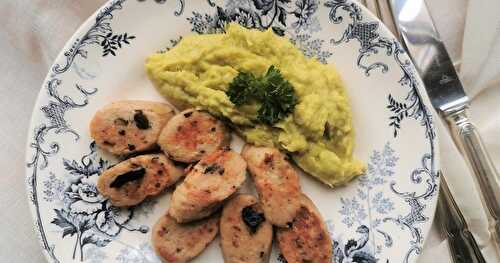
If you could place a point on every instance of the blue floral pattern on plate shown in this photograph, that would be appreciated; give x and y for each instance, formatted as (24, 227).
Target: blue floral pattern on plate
(391, 204)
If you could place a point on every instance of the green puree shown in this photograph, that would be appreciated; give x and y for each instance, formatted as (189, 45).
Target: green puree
(318, 133)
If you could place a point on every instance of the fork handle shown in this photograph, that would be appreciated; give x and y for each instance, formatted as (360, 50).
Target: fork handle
(469, 142)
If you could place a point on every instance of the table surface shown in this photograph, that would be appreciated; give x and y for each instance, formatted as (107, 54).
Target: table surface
(32, 34)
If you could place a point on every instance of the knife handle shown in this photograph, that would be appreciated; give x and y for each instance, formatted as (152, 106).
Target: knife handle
(469, 142)
(461, 241)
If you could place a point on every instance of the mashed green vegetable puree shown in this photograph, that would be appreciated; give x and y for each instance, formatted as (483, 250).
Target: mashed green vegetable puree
(318, 134)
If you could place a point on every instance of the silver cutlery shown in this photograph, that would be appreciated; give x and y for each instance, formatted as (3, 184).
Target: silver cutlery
(462, 243)
(447, 95)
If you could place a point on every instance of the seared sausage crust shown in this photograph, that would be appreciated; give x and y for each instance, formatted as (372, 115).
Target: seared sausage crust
(215, 178)
(307, 240)
(193, 134)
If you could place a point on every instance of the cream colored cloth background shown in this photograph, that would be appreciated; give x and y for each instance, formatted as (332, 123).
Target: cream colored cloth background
(32, 32)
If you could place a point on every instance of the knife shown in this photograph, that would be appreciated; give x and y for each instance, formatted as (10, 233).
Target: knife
(463, 246)
(447, 96)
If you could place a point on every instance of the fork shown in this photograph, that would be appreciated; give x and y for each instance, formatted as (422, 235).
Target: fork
(461, 241)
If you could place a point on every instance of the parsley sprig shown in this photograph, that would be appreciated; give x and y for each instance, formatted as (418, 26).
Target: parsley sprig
(272, 91)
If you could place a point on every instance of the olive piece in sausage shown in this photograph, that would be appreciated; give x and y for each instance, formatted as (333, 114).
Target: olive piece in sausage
(128, 183)
(307, 239)
(213, 179)
(276, 182)
(129, 126)
(246, 236)
(193, 134)
(176, 243)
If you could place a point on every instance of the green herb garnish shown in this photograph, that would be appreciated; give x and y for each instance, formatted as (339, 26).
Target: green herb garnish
(272, 91)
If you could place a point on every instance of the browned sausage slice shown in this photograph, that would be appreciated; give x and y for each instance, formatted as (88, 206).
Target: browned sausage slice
(307, 240)
(276, 182)
(130, 126)
(246, 236)
(193, 134)
(216, 177)
(177, 243)
(128, 183)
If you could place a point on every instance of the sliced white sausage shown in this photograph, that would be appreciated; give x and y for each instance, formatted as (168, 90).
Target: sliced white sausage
(193, 134)
(246, 236)
(213, 179)
(128, 183)
(130, 126)
(276, 182)
(177, 243)
(307, 239)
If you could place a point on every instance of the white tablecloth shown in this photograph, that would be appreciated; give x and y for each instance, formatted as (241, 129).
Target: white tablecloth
(31, 35)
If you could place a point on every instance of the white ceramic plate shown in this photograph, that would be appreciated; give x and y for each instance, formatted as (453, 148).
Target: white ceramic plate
(383, 216)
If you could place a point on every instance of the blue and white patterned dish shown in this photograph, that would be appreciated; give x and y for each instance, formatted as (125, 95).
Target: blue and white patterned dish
(383, 216)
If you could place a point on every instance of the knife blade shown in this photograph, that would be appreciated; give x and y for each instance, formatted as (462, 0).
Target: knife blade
(448, 97)
(429, 55)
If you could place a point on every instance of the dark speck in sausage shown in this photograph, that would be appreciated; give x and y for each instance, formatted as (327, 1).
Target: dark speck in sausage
(212, 168)
(121, 132)
(261, 254)
(141, 121)
(188, 114)
(160, 172)
(213, 129)
(120, 121)
(157, 185)
(128, 177)
(252, 218)
(131, 147)
(108, 143)
(268, 159)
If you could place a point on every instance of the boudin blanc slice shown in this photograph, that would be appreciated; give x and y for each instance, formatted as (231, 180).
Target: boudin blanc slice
(176, 243)
(307, 239)
(213, 179)
(128, 183)
(276, 182)
(193, 134)
(129, 126)
(246, 236)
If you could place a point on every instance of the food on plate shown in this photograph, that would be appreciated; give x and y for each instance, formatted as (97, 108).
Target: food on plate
(276, 182)
(246, 236)
(213, 179)
(271, 93)
(307, 239)
(129, 182)
(129, 126)
(193, 134)
(176, 243)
